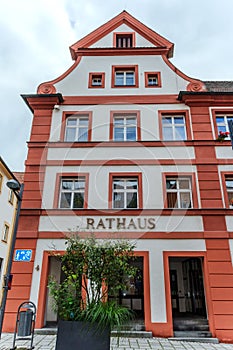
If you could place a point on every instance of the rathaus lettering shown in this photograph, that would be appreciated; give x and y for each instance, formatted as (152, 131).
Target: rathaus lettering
(110, 223)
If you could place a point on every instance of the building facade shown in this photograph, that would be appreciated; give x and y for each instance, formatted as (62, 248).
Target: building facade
(8, 206)
(124, 145)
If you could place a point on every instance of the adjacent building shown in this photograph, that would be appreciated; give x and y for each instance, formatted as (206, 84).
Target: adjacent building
(124, 145)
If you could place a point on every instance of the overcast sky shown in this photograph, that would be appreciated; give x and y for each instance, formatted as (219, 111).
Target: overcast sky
(35, 36)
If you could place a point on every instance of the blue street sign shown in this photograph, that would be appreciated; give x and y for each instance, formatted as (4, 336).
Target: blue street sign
(23, 255)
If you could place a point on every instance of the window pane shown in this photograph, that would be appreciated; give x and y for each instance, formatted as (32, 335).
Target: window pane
(131, 134)
(119, 78)
(185, 200)
(118, 184)
(82, 134)
(167, 120)
(220, 120)
(83, 121)
(131, 121)
(118, 121)
(172, 200)
(67, 185)
(131, 200)
(65, 200)
(78, 200)
(118, 134)
(171, 184)
(180, 133)
(79, 185)
(132, 184)
(130, 78)
(167, 134)
(70, 134)
(71, 121)
(118, 200)
(229, 184)
(184, 184)
(179, 120)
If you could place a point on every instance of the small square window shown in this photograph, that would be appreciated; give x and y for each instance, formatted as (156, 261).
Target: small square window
(152, 79)
(124, 40)
(96, 80)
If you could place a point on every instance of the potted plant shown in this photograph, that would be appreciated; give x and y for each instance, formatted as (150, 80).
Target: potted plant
(92, 270)
(222, 135)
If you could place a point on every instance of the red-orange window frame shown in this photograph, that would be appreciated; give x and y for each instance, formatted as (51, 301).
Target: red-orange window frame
(216, 113)
(158, 74)
(189, 175)
(115, 34)
(67, 114)
(224, 176)
(59, 178)
(125, 175)
(125, 68)
(173, 113)
(99, 74)
(125, 113)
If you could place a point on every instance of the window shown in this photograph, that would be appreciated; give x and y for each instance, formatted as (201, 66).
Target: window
(1, 181)
(124, 40)
(96, 80)
(173, 127)
(229, 187)
(125, 193)
(125, 76)
(152, 79)
(179, 192)
(76, 128)
(222, 123)
(11, 197)
(125, 128)
(5, 233)
(72, 191)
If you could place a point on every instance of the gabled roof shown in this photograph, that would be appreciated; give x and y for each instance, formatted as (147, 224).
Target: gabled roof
(123, 18)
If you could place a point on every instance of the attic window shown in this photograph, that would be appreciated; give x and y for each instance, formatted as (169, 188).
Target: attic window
(96, 80)
(152, 79)
(124, 40)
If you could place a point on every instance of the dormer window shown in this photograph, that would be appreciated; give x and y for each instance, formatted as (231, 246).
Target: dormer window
(124, 40)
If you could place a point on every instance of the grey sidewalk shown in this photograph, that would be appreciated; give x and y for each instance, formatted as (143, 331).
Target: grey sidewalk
(47, 342)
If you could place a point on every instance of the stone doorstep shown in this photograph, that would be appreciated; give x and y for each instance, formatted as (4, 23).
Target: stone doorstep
(195, 340)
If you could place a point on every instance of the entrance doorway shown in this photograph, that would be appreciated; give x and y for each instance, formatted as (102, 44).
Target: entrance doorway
(187, 287)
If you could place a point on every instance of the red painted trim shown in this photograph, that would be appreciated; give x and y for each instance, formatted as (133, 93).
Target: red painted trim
(159, 82)
(124, 33)
(134, 113)
(108, 27)
(124, 68)
(185, 113)
(124, 99)
(178, 175)
(99, 74)
(67, 114)
(123, 175)
(132, 51)
(59, 177)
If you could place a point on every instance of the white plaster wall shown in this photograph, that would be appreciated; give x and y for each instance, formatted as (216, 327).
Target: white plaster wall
(99, 179)
(224, 152)
(149, 121)
(107, 40)
(76, 83)
(156, 267)
(229, 222)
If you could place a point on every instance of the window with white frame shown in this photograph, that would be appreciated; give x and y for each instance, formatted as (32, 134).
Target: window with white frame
(222, 123)
(76, 128)
(125, 128)
(229, 188)
(179, 192)
(72, 193)
(173, 127)
(125, 193)
(124, 77)
(5, 233)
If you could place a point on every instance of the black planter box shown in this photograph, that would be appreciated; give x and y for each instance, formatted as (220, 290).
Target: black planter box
(81, 336)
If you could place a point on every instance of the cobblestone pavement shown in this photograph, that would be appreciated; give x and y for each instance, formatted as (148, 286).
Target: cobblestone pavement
(47, 342)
